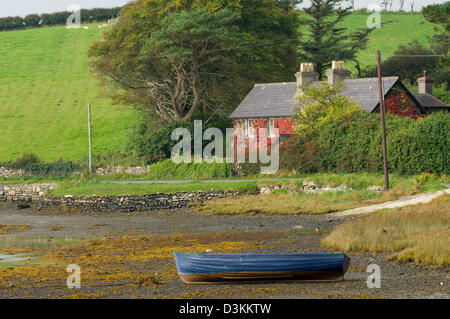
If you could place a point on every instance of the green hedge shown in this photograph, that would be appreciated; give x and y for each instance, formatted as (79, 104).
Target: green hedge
(57, 18)
(156, 145)
(32, 165)
(354, 145)
(60, 168)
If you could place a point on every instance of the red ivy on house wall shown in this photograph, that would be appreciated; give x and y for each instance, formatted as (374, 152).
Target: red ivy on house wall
(286, 126)
(399, 103)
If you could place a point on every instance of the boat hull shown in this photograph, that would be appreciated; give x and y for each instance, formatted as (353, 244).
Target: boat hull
(223, 268)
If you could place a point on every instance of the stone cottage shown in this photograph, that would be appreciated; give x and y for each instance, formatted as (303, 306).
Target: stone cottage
(272, 104)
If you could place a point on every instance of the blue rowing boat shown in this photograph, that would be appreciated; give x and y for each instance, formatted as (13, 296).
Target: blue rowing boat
(208, 268)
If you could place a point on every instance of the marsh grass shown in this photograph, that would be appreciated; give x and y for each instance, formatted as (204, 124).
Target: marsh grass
(298, 203)
(419, 233)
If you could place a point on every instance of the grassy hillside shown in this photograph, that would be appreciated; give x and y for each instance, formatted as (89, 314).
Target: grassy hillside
(397, 29)
(45, 86)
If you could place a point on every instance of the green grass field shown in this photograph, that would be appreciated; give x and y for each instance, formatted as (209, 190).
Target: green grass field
(45, 86)
(397, 29)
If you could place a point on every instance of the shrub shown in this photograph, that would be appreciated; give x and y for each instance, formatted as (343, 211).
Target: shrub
(154, 146)
(57, 18)
(318, 106)
(22, 161)
(407, 68)
(33, 166)
(32, 20)
(353, 144)
(11, 23)
(59, 168)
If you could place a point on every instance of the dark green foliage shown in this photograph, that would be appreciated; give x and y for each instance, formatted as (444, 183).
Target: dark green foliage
(192, 49)
(22, 161)
(59, 168)
(405, 65)
(438, 13)
(32, 20)
(325, 40)
(265, 52)
(440, 42)
(154, 146)
(288, 4)
(11, 23)
(353, 144)
(32, 165)
(99, 14)
(57, 18)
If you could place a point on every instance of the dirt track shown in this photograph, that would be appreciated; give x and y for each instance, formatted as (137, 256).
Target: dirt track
(118, 271)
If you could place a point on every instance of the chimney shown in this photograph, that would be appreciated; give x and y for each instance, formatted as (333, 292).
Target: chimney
(425, 84)
(338, 73)
(307, 75)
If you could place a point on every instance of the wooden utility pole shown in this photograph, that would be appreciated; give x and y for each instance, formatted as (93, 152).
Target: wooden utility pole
(90, 138)
(383, 127)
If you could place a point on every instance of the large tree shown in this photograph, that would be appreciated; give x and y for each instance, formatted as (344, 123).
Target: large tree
(408, 62)
(184, 52)
(325, 39)
(183, 59)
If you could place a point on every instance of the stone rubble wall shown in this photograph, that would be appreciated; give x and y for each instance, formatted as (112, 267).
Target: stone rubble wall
(25, 192)
(37, 193)
(118, 170)
(102, 171)
(307, 187)
(8, 173)
(128, 203)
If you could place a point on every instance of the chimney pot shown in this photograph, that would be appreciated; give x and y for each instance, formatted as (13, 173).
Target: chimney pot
(337, 73)
(425, 84)
(307, 75)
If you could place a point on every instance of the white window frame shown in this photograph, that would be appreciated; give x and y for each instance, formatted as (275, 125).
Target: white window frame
(250, 128)
(271, 127)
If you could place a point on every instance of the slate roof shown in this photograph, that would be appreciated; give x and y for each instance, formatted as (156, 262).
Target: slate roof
(277, 99)
(429, 101)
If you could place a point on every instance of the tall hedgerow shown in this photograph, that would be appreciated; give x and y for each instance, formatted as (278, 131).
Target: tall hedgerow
(353, 144)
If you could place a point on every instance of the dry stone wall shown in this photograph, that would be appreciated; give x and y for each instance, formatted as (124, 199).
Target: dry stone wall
(37, 193)
(102, 171)
(25, 192)
(127, 203)
(8, 173)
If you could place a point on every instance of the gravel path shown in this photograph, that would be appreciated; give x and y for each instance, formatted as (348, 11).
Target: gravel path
(412, 200)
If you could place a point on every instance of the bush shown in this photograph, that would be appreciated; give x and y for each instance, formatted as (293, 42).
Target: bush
(407, 68)
(58, 18)
(21, 162)
(320, 105)
(11, 23)
(59, 168)
(154, 146)
(32, 20)
(353, 144)
(33, 166)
